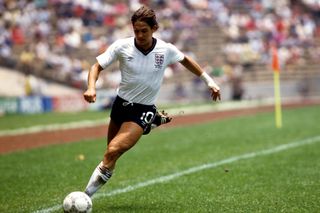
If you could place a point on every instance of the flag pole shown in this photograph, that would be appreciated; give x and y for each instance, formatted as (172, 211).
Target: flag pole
(276, 81)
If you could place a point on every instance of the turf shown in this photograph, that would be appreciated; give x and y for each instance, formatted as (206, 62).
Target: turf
(14, 121)
(286, 181)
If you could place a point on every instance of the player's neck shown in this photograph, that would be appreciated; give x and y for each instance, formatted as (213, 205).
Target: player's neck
(146, 49)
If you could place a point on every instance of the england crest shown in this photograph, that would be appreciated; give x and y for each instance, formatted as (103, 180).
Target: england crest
(159, 59)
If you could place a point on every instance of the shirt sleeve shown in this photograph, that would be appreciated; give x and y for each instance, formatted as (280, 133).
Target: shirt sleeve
(109, 56)
(175, 55)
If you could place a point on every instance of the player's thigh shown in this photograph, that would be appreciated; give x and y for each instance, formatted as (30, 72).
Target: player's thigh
(127, 136)
(113, 129)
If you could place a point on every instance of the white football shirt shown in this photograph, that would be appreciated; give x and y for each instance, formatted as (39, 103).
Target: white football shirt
(141, 74)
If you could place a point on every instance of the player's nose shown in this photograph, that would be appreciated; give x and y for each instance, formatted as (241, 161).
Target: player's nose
(139, 35)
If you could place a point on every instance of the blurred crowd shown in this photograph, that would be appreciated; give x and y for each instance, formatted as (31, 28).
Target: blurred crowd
(60, 38)
(292, 26)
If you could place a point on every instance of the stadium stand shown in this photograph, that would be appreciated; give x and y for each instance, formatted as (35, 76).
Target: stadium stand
(57, 40)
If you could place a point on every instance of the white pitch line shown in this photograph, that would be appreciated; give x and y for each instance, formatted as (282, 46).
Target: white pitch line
(196, 169)
(53, 127)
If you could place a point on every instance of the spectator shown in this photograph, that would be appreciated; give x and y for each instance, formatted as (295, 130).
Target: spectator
(235, 80)
(26, 60)
(72, 40)
(217, 68)
(17, 35)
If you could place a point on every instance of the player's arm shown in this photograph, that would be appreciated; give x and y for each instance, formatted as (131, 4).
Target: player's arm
(90, 94)
(195, 68)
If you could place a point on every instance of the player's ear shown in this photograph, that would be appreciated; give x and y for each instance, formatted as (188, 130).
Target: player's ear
(155, 28)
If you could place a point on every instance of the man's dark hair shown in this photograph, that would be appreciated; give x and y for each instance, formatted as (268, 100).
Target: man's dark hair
(146, 15)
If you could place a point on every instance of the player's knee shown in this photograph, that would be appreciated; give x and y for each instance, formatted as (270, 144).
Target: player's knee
(114, 151)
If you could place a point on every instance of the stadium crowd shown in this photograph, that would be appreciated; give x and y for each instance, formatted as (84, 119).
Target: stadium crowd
(56, 38)
(49, 35)
(260, 24)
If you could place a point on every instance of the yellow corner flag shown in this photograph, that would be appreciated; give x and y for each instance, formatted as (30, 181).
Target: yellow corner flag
(276, 80)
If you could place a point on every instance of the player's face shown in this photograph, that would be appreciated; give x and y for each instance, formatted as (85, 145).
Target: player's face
(143, 34)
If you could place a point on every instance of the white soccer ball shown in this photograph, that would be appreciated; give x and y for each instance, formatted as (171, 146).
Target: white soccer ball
(77, 202)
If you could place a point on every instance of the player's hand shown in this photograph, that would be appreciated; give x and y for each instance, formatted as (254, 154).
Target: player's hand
(90, 95)
(215, 91)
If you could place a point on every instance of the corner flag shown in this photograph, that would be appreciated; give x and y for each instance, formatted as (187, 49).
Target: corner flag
(276, 80)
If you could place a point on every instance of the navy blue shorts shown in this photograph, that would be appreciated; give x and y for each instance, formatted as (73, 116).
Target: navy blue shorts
(141, 114)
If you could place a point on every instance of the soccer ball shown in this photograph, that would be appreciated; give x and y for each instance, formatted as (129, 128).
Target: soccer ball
(77, 202)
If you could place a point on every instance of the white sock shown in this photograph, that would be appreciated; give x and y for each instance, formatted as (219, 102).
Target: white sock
(98, 178)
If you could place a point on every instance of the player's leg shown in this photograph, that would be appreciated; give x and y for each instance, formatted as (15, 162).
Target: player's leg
(101, 175)
(113, 130)
(125, 138)
(160, 118)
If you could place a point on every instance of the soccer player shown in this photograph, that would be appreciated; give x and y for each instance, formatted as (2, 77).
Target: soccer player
(142, 61)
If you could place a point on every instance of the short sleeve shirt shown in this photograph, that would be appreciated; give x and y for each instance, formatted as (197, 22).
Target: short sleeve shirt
(141, 74)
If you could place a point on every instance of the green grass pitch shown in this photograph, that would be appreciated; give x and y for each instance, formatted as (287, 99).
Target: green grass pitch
(284, 181)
